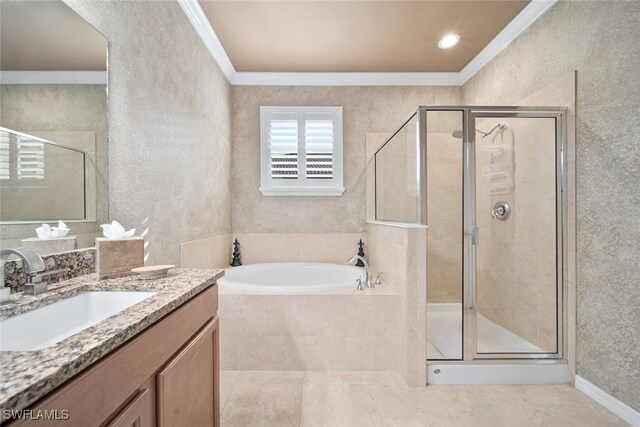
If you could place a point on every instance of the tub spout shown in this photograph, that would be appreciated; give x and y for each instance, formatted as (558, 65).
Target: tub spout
(367, 279)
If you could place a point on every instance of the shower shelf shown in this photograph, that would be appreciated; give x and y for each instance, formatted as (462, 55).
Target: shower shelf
(495, 170)
(500, 174)
(498, 148)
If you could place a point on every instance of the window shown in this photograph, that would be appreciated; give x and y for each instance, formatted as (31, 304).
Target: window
(301, 151)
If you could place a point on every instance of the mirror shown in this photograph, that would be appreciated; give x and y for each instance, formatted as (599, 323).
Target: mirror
(53, 125)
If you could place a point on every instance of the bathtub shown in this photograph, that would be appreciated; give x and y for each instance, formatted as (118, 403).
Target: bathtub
(291, 277)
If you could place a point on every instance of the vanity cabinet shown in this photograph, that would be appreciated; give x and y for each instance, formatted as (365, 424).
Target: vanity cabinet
(167, 375)
(187, 385)
(135, 414)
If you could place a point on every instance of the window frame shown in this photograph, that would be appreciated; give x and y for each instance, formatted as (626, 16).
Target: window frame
(301, 186)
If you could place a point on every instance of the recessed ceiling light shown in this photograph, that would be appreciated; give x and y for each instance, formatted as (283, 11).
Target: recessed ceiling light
(448, 41)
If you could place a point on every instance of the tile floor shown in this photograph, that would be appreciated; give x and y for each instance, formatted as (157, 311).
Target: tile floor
(351, 399)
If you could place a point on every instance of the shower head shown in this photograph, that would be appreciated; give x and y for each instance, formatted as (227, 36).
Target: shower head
(459, 134)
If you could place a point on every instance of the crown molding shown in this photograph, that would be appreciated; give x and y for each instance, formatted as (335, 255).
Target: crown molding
(534, 10)
(530, 14)
(54, 77)
(201, 23)
(347, 79)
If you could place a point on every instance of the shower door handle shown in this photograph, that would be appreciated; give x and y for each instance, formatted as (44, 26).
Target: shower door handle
(474, 235)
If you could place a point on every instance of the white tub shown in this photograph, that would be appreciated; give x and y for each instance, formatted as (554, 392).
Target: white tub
(291, 277)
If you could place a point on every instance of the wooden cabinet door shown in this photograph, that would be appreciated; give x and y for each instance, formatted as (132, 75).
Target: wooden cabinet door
(188, 387)
(135, 414)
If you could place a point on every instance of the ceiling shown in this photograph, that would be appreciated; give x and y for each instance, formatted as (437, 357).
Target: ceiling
(355, 36)
(48, 36)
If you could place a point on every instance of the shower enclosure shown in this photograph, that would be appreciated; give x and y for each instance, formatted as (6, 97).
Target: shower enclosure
(488, 182)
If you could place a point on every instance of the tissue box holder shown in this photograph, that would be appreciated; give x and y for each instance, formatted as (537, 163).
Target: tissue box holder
(116, 257)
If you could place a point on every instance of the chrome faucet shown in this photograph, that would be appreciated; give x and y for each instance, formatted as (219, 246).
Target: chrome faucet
(33, 265)
(367, 278)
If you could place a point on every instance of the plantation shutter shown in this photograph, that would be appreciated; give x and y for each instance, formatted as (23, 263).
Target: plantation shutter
(319, 143)
(301, 151)
(5, 155)
(30, 159)
(283, 146)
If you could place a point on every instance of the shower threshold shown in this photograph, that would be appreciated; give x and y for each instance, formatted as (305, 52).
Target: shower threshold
(444, 341)
(499, 372)
(444, 334)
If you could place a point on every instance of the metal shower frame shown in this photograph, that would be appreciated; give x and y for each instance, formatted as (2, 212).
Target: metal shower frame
(469, 116)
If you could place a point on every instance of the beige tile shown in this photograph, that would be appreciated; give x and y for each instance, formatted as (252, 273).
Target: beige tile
(249, 352)
(386, 352)
(414, 407)
(228, 351)
(256, 404)
(294, 247)
(360, 353)
(562, 405)
(270, 377)
(338, 404)
(489, 406)
(341, 377)
(226, 388)
(345, 399)
(228, 376)
(390, 379)
(212, 252)
(242, 315)
(281, 352)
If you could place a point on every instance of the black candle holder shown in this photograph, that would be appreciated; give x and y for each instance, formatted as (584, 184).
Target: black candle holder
(361, 253)
(235, 262)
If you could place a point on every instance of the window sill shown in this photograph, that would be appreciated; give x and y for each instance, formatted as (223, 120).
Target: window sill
(294, 191)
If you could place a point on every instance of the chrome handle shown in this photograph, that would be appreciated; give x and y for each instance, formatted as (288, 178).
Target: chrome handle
(501, 211)
(359, 283)
(378, 281)
(473, 235)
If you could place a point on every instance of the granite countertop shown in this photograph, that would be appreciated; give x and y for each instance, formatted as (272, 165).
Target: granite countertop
(26, 376)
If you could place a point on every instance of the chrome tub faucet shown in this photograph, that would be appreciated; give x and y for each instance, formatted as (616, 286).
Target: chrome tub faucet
(367, 278)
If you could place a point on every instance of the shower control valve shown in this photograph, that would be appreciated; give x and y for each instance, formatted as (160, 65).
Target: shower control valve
(501, 211)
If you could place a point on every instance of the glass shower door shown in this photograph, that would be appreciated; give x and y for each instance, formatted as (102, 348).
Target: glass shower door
(513, 224)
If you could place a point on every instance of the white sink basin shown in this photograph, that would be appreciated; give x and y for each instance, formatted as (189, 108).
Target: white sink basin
(43, 327)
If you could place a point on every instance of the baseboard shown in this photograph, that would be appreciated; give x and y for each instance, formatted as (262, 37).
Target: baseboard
(622, 410)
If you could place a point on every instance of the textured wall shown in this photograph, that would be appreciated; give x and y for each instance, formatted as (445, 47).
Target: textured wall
(365, 109)
(599, 40)
(169, 135)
